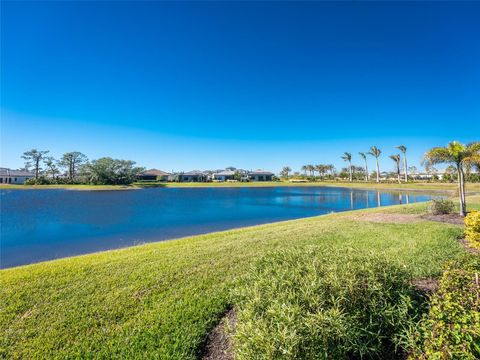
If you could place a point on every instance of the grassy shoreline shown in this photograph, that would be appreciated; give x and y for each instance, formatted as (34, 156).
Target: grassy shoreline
(472, 188)
(161, 299)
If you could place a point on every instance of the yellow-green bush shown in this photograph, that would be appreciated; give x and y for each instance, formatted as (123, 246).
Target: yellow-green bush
(472, 228)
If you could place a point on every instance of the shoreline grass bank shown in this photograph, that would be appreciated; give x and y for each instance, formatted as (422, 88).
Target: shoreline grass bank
(161, 299)
(472, 188)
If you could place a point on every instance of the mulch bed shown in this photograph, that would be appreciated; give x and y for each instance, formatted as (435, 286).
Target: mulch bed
(219, 344)
(455, 219)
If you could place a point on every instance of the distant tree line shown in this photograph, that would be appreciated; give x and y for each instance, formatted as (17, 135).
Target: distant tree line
(402, 172)
(75, 168)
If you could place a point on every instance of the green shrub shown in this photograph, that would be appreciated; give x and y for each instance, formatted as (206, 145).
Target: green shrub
(451, 329)
(442, 206)
(472, 228)
(323, 304)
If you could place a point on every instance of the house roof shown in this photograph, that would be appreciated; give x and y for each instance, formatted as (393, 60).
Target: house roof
(154, 172)
(260, 172)
(10, 172)
(225, 173)
(194, 173)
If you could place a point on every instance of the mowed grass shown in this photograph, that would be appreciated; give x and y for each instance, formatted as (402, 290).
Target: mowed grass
(160, 300)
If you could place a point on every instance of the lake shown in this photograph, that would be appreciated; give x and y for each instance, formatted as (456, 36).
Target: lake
(38, 225)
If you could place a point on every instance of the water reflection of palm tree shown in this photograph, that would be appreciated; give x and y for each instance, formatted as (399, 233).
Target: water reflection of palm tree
(351, 199)
(379, 203)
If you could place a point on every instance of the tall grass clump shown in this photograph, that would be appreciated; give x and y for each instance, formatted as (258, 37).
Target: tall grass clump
(319, 303)
(451, 329)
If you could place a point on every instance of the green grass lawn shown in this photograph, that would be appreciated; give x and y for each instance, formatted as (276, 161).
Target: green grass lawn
(161, 299)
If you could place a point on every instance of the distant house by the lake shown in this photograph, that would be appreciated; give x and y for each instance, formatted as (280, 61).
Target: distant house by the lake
(192, 176)
(224, 175)
(260, 175)
(229, 174)
(153, 175)
(9, 176)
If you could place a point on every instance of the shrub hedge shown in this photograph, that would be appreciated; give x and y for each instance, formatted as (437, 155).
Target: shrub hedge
(451, 329)
(472, 228)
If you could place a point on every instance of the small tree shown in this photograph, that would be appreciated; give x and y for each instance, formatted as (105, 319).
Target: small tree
(348, 157)
(33, 158)
(51, 165)
(457, 155)
(285, 171)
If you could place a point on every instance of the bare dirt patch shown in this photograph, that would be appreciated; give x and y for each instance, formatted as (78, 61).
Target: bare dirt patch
(387, 218)
(455, 219)
(219, 343)
(426, 286)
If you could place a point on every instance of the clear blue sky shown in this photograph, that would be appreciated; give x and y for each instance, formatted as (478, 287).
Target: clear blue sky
(193, 85)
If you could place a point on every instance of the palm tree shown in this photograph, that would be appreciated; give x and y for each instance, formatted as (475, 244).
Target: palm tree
(348, 157)
(403, 149)
(321, 170)
(397, 158)
(374, 151)
(304, 169)
(364, 157)
(311, 168)
(458, 155)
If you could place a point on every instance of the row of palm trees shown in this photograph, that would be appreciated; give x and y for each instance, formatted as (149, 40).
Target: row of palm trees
(322, 169)
(376, 152)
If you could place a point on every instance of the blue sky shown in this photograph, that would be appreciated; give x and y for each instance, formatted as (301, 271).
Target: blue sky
(192, 85)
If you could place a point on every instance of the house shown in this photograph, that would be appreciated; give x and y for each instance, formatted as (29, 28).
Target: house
(8, 176)
(224, 175)
(153, 175)
(260, 175)
(192, 176)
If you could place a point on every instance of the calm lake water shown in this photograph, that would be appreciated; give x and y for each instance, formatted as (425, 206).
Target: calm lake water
(39, 225)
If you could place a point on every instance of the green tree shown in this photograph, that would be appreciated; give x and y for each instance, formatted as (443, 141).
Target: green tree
(364, 157)
(397, 159)
(51, 164)
(108, 171)
(458, 155)
(72, 161)
(374, 151)
(33, 159)
(348, 157)
(285, 171)
(403, 149)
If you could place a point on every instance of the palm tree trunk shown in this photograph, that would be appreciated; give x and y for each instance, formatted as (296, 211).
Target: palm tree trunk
(378, 172)
(405, 167)
(351, 178)
(461, 189)
(366, 170)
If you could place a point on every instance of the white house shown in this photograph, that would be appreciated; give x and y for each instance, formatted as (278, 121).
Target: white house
(9, 176)
(224, 175)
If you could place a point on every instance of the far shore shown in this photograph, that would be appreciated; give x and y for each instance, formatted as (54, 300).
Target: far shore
(472, 188)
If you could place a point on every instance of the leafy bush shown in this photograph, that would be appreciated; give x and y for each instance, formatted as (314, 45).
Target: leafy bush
(42, 180)
(472, 228)
(442, 206)
(324, 304)
(451, 329)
